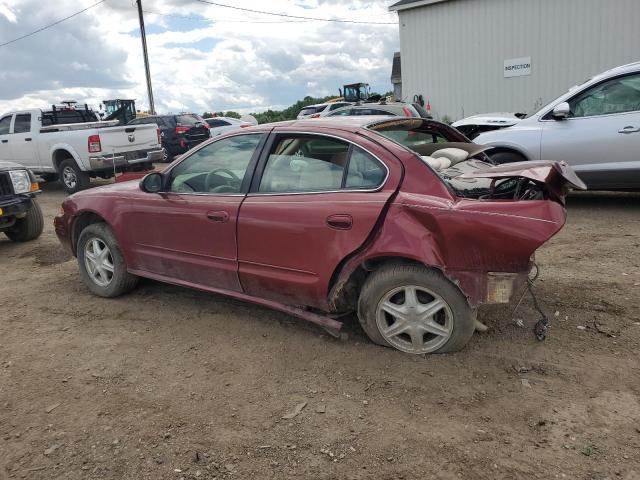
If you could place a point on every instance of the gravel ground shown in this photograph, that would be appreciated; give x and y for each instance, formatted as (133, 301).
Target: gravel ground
(173, 383)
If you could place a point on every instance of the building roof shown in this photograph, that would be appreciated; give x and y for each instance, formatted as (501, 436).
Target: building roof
(407, 4)
(396, 69)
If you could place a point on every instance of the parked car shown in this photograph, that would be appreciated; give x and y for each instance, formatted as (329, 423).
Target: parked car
(20, 214)
(384, 109)
(70, 144)
(594, 127)
(221, 125)
(401, 220)
(320, 109)
(178, 133)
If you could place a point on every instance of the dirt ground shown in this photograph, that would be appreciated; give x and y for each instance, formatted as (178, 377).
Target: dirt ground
(170, 383)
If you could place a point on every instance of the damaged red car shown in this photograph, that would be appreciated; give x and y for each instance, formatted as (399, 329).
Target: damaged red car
(403, 221)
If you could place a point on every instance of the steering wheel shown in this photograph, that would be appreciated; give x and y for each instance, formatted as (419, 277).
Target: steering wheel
(213, 176)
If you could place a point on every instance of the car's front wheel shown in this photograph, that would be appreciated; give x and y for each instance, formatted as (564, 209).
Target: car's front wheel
(102, 265)
(415, 310)
(29, 227)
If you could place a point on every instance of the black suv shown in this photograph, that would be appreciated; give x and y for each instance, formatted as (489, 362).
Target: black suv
(20, 215)
(179, 132)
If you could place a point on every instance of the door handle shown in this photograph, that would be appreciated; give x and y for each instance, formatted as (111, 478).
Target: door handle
(629, 129)
(5, 141)
(220, 217)
(340, 221)
(27, 139)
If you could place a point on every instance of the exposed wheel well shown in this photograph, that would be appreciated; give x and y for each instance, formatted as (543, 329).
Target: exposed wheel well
(83, 221)
(493, 151)
(59, 156)
(344, 295)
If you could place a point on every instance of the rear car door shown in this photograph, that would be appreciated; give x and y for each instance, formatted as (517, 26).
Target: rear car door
(188, 233)
(314, 200)
(601, 138)
(23, 147)
(5, 145)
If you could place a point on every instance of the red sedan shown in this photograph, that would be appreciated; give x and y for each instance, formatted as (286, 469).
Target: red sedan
(401, 220)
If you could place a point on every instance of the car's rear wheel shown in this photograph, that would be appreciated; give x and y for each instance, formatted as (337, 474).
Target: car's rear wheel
(29, 227)
(73, 179)
(506, 157)
(102, 265)
(415, 310)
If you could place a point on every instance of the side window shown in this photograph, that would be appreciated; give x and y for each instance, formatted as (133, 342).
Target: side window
(218, 168)
(364, 170)
(316, 164)
(22, 124)
(305, 164)
(618, 95)
(340, 113)
(335, 106)
(5, 122)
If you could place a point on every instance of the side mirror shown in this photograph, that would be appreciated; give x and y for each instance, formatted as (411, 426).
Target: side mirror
(152, 183)
(561, 111)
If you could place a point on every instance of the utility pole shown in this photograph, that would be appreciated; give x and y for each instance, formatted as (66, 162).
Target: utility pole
(143, 36)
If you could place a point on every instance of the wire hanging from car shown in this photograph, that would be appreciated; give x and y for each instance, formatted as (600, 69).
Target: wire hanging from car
(542, 325)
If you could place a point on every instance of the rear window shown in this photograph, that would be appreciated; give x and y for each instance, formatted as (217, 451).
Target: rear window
(61, 117)
(189, 119)
(311, 110)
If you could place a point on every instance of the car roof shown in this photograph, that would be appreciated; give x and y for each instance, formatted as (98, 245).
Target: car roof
(350, 124)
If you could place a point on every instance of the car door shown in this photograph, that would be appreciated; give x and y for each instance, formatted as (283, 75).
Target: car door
(187, 233)
(314, 200)
(23, 146)
(601, 137)
(5, 137)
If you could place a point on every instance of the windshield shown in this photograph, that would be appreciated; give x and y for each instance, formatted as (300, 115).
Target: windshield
(189, 119)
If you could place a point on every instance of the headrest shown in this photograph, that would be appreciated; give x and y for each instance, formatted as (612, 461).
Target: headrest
(437, 163)
(455, 155)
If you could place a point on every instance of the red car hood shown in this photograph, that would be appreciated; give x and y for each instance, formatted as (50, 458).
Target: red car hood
(557, 175)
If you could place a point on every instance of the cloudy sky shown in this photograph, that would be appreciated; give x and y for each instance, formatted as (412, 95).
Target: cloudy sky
(203, 57)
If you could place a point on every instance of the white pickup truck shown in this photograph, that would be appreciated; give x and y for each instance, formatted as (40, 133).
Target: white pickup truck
(74, 145)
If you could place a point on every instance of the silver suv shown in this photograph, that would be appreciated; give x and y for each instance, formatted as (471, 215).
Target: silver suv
(594, 127)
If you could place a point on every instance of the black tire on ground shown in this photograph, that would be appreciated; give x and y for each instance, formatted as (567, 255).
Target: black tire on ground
(122, 281)
(27, 228)
(72, 178)
(395, 275)
(49, 177)
(506, 157)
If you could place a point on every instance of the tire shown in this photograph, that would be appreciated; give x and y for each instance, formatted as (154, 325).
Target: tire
(506, 157)
(451, 315)
(28, 228)
(120, 281)
(72, 178)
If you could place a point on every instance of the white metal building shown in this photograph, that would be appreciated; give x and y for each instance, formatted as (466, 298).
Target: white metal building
(479, 56)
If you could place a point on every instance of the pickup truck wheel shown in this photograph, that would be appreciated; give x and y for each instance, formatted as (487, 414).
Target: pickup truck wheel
(506, 157)
(102, 266)
(73, 179)
(27, 228)
(415, 310)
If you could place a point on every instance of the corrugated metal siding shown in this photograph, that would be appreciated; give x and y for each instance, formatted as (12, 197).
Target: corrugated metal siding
(453, 52)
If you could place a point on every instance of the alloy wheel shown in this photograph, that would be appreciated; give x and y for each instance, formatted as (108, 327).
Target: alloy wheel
(69, 177)
(99, 262)
(414, 319)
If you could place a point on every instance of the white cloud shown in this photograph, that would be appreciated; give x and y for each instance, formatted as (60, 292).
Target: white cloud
(211, 60)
